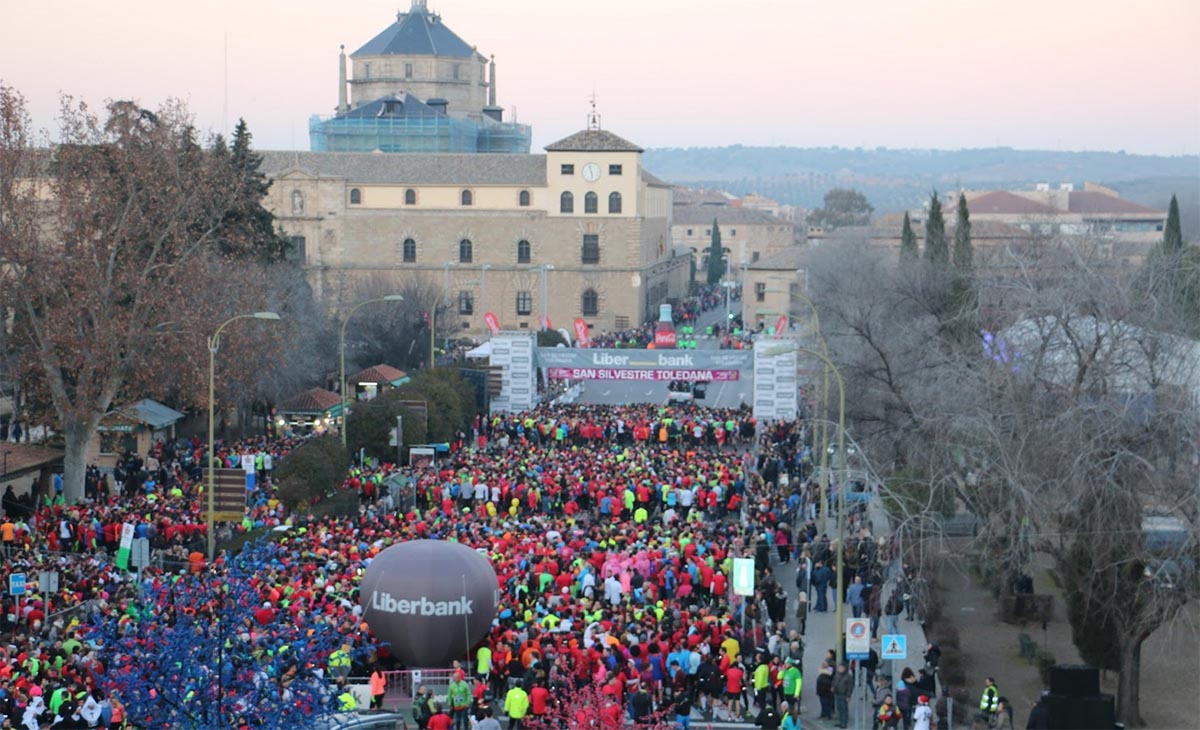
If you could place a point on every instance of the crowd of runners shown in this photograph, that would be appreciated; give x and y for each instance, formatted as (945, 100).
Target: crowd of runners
(612, 531)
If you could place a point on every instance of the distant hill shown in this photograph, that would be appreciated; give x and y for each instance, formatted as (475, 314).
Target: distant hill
(898, 179)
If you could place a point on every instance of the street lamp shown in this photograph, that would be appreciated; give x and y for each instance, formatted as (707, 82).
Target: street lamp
(483, 269)
(546, 297)
(342, 349)
(214, 344)
(441, 302)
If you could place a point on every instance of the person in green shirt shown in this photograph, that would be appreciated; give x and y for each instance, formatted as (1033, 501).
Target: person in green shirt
(762, 680)
(640, 515)
(459, 697)
(483, 663)
(793, 681)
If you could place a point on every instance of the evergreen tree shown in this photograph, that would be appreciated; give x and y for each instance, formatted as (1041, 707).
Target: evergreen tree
(716, 266)
(937, 253)
(908, 241)
(964, 254)
(1173, 233)
(249, 231)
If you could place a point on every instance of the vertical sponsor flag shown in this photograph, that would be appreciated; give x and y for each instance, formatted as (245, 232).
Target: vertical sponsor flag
(781, 325)
(125, 546)
(581, 332)
(492, 322)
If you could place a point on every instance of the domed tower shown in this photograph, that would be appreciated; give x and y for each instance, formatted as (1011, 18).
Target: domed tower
(420, 56)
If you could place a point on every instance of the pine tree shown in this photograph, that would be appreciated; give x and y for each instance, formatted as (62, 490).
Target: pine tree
(964, 254)
(249, 232)
(716, 266)
(908, 241)
(1173, 233)
(937, 253)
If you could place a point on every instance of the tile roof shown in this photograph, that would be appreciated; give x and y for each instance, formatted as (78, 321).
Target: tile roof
(593, 140)
(393, 106)
(789, 259)
(416, 169)
(17, 459)
(724, 214)
(313, 400)
(1094, 202)
(379, 374)
(418, 33)
(1002, 202)
(654, 181)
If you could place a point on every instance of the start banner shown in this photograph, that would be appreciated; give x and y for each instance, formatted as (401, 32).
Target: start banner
(615, 374)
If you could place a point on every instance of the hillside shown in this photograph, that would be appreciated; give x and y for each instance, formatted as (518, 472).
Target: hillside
(896, 179)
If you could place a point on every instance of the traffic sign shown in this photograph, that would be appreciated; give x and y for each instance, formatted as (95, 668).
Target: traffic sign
(743, 576)
(16, 584)
(895, 646)
(858, 638)
(140, 553)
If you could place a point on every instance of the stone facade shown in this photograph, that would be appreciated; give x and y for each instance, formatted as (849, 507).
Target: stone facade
(746, 235)
(446, 217)
(776, 285)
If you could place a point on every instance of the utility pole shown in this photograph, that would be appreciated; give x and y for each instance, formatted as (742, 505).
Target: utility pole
(399, 440)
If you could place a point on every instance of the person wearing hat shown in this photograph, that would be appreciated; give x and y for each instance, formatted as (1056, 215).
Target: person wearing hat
(922, 716)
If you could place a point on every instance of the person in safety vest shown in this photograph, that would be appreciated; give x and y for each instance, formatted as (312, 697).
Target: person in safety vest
(989, 703)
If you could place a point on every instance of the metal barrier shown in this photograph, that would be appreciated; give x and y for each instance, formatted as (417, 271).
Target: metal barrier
(402, 684)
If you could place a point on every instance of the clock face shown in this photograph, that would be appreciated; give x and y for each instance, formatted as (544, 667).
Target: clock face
(591, 172)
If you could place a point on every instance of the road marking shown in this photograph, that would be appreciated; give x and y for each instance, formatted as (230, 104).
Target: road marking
(720, 392)
(650, 392)
(605, 393)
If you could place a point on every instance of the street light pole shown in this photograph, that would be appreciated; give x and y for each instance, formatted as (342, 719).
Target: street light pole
(483, 269)
(342, 350)
(546, 297)
(441, 302)
(214, 344)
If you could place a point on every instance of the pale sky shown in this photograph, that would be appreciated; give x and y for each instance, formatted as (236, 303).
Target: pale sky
(1045, 74)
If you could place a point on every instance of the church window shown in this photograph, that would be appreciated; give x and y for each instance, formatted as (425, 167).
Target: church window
(591, 248)
(355, 196)
(614, 202)
(590, 203)
(410, 251)
(590, 304)
(466, 251)
(467, 198)
(466, 302)
(296, 250)
(566, 202)
(523, 199)
(524, 303)
(523, 252)
(410, 197)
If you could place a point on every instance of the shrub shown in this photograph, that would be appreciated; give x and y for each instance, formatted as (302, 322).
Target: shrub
(1045, 660)
(311, 471)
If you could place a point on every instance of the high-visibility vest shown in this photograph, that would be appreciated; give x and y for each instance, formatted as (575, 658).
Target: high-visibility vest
(347, 702)
(990, 700)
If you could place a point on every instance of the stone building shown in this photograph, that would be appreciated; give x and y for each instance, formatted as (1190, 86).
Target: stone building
(776, 285)
(417, 87)
(584, 220)
(747, 235)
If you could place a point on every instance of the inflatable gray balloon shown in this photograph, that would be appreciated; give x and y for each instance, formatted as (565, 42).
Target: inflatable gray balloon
(431, 600)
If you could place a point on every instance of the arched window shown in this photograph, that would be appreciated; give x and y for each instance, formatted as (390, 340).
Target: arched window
(566, 202)
(467, 198)
(590, 203)
(410, 250)
(466, 251)
(355, 196)
(614, 202)
(523, 252)
(523, 199)
(410, 197)
(590, 303)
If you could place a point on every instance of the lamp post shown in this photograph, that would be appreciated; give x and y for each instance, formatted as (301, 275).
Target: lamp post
(824, 482)
(546, 297)
(214, 344)
(441, 302)
(483, 269)
(342, 349)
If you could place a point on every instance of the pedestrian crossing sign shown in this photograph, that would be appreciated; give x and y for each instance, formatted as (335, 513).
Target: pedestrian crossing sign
(895, 646)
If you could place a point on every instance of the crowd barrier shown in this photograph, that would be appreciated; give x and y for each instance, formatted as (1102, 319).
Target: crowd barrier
(402, 684)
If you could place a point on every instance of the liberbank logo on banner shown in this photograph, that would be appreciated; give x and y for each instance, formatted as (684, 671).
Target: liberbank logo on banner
(420, 606)
(645, 361)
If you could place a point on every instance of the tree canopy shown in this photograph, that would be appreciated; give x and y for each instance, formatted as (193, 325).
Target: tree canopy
(843, 207)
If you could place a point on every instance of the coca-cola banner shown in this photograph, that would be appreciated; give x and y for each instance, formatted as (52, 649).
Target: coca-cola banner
(492, 322)
(581, 332)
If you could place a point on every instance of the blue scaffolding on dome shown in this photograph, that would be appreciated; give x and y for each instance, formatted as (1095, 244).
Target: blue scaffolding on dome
(403, 123)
